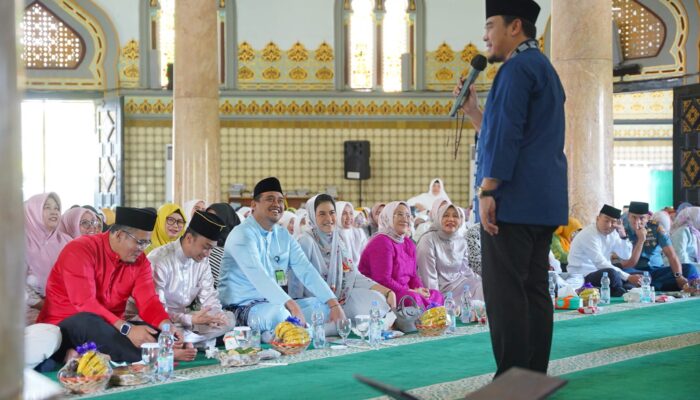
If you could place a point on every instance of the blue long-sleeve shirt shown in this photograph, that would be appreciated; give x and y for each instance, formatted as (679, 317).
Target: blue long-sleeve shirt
(521, 142)
(252, 255)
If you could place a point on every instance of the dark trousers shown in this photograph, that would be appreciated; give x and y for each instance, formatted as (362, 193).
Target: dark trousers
(662, 277)
(515, 267)
(88, 327)
(617, 288)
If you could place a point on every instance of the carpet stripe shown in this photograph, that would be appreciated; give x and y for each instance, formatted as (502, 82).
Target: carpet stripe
(459, 388)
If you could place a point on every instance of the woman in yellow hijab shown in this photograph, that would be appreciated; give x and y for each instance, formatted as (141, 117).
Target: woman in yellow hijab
(170, 225)
(561, 240)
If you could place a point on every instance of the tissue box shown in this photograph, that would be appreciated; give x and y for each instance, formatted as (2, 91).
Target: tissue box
(568, 303)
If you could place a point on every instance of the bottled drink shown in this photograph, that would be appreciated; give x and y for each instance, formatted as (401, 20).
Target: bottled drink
(465, 315)
(375, 325)
(166, 355)
(318, 323)
(451, 308)
(605, 289)
(553, 287)
(646, 288)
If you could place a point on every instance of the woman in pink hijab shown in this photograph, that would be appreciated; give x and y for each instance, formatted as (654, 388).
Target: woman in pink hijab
(79, 221)
(43, 243)
(390, 257)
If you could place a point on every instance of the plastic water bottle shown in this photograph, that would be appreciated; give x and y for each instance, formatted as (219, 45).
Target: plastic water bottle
(605, 289)
(166, 355)
(553, 287)
(318, 322)
(451, 308)
(646, 288)
(375, 325)
(465, 315)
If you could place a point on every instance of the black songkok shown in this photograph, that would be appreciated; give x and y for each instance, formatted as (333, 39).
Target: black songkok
(138, 218)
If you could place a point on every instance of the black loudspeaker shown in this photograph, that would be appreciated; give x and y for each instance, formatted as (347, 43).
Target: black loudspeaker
(357, 159)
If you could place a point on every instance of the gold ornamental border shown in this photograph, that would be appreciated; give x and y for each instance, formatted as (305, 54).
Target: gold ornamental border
(139, 107)
(286, 124)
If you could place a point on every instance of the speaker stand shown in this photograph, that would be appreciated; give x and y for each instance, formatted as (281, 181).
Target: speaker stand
(359, 181)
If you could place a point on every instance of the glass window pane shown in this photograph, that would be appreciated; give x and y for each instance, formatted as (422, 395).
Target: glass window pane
(166, 38)
(395, 43)
(362, 44)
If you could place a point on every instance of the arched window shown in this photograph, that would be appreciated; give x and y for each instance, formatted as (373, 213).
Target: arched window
(642, 33)
(378, 38)
(166, 38)
(48, 42)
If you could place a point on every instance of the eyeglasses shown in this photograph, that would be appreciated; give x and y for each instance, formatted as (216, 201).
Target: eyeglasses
(89, 223)
(142, 244)
(401, 215)
(273, 199)
(173, 221)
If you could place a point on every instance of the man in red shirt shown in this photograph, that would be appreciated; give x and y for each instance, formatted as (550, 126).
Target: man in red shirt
(92, 280)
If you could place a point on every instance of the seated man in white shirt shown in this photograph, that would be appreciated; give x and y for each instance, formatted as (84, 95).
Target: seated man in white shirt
(592, 248)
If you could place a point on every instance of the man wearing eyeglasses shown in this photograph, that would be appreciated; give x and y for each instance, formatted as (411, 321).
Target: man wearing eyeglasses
(258, 255)
(90, 283)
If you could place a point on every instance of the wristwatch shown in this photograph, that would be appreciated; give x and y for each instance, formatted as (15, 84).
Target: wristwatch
(481, 192)
(125, 329)
(677, 274)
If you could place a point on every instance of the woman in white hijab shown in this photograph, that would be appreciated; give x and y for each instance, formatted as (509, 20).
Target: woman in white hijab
(193, 205)
(425, 227)
(685, 235)
(243, 213)
(354, 238)
(287, 221)
(664, 219)
(435, 191)
(325, 249)
(300, 223)
(443, 262)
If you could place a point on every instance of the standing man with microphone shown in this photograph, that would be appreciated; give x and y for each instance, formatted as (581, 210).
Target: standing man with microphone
(522, 178)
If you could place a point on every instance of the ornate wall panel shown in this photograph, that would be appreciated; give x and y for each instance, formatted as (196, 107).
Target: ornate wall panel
(674, 47)
(129, 65)
(321, 107)
(92, 73)
(643, 105)
(686, 144)
(296, 68)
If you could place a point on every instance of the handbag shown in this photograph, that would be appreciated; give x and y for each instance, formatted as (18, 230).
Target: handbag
(406, 316)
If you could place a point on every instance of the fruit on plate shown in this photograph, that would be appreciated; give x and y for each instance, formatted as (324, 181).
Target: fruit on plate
(91, 362)
(435, 316)
(291, 332)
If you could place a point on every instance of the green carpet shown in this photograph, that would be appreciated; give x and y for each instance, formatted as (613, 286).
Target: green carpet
(670, 375)
(428, 363)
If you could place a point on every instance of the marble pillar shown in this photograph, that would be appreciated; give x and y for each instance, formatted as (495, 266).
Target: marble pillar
(581, 52)
(12, 267)
(197, 165)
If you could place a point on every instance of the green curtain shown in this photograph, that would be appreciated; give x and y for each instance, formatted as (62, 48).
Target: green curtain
(661, 189)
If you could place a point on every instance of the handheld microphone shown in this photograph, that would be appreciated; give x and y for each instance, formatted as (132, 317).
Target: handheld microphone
(478, 65)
